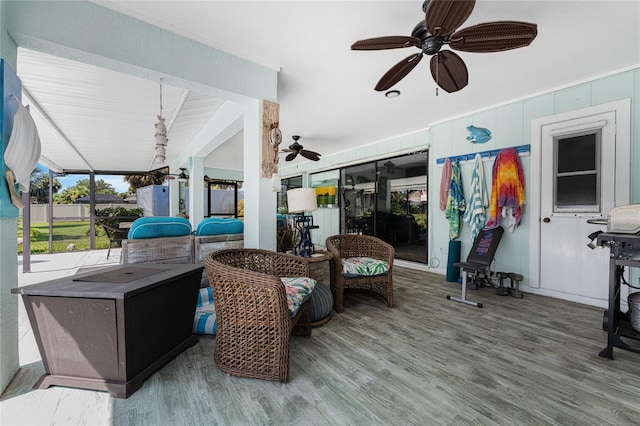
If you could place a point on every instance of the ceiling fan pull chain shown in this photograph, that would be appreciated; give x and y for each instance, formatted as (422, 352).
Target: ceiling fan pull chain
(437, 68)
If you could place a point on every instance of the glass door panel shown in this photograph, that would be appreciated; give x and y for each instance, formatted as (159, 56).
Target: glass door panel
(388, 199)
(402, 205)
(357, 192)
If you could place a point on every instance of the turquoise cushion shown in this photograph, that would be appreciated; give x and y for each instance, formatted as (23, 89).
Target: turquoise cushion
(204, 323)
(159, 226)
(219, 226)
(205, 297)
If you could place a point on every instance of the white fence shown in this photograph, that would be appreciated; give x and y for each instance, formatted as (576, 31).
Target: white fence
(70, 212)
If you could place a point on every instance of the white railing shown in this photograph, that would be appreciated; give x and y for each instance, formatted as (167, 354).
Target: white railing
(70, 212)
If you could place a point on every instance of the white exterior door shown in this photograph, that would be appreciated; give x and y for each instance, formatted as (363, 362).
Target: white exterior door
(583, 175)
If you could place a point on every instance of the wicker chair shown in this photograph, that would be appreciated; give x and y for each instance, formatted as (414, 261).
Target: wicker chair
(254, 326)
(349, 245)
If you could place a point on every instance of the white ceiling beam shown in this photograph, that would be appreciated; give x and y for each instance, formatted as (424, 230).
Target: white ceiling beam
(51, 165)
(55, 128)
(178, 111)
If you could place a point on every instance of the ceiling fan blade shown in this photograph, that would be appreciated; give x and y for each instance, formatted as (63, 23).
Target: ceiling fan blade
(314, 156)
(398, 72)
(449, 71)
(443, 17)
(494, 36)
(388, 42)
(291, 156)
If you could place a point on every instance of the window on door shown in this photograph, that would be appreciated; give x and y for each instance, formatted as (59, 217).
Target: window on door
(577, 173)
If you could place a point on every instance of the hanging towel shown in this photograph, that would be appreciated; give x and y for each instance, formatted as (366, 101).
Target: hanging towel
(455, 202)
(507, 190)
(445, 184)
(23, 150)
(475, 214)
(22, 154)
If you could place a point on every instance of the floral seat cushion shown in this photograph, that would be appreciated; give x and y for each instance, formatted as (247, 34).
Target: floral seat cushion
(353, 267)
(298, 290)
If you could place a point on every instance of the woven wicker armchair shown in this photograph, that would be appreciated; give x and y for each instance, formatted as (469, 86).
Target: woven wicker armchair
(349, 245)
(254, 326)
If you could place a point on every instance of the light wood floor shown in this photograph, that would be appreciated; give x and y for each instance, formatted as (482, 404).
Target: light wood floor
(428, 360)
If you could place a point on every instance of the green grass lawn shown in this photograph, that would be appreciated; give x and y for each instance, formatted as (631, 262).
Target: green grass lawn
(64, 233)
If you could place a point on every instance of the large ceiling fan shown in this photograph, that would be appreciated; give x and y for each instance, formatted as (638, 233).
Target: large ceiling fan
(295, 148)
(442, 19)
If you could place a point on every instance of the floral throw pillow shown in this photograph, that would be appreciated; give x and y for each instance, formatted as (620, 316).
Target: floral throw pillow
(363, 266)
(297, 290)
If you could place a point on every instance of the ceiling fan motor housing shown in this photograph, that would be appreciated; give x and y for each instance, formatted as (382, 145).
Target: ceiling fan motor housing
(429, 44)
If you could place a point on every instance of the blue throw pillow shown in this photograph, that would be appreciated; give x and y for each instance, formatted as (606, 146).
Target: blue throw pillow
(219, 226)
(159, 226)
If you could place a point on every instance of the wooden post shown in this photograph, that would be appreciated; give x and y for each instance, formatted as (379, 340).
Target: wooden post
(269, 154)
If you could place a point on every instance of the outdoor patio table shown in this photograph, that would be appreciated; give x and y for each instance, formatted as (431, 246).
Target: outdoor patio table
(112, 328)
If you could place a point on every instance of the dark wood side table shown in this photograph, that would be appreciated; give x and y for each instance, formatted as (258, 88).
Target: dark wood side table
(317, 263)
(110, 329)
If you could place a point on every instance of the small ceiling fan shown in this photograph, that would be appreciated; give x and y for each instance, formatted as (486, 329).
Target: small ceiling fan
(295, 148)
(163, 174)
(390, 167)
(442, 19)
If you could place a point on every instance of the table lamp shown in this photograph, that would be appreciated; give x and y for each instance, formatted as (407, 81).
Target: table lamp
(302, 200)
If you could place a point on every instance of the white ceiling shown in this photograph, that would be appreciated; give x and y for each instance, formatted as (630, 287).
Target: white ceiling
(325, 90)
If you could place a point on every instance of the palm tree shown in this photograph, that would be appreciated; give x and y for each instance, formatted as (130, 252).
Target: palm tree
(138, 181)
(39, 188)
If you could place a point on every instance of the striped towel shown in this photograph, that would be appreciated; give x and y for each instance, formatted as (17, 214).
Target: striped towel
(475, 215)
(204, 321)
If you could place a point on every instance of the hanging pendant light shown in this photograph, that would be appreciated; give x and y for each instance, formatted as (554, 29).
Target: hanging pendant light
(161, 135)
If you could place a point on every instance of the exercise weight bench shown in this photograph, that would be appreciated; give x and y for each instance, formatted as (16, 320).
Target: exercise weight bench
(479, 260)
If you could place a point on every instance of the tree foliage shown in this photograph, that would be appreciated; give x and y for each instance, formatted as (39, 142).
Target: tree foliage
(39, 188)
(82, 189)
(138, 181)
(112, 216)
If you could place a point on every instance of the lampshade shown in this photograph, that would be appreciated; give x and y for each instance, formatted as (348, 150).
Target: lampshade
(301, 200)
(276, 183)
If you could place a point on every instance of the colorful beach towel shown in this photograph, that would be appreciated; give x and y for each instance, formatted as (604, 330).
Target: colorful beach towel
(445, 184)
(507, 190)
(455, 202)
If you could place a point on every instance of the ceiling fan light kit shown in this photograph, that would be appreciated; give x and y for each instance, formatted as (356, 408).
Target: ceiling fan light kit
(439, 28)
